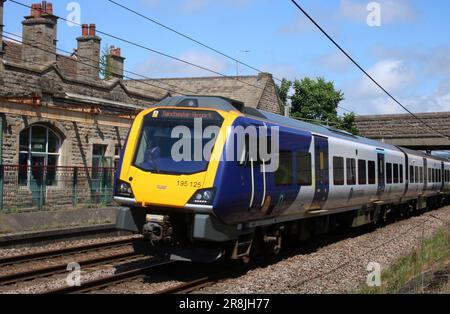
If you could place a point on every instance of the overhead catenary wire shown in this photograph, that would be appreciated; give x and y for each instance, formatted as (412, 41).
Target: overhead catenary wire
(191, 38)
(365, 72)
(156, 52)
(125, 71)
(263, 96)
(143, 82)
(163, 54)
(78, 61)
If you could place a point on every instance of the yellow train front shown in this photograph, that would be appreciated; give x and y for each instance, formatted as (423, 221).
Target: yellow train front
(167, 189)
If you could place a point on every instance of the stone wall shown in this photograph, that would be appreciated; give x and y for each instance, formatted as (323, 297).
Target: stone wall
(78, 139)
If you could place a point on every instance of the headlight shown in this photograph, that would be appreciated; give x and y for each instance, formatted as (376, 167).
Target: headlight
(124, 189)
(203, 197)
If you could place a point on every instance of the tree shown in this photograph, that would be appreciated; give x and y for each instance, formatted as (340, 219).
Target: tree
(105, 69)
(283, 90)
(317, 99)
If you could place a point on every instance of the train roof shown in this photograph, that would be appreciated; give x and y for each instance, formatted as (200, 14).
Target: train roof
(324, 130)
(228, 104)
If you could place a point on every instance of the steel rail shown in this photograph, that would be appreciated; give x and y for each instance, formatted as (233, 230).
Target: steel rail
(189, 286)
(111, 280)
(56, 269)
(59, 252)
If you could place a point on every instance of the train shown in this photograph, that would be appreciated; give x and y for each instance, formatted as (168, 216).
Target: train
(205, 209)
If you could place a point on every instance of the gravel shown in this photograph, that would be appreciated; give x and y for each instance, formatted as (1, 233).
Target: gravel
(61, 245)
(335, 268)
(340, 267)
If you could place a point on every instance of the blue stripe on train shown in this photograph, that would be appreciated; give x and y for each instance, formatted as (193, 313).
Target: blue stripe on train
(233, 182)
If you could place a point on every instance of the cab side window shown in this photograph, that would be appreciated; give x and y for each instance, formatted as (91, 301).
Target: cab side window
(303, 163)
(283, 176)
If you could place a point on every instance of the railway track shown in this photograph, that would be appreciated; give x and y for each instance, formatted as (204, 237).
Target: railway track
(189, 286)
(98, 284)
(26, 275)
(198, 283)
(60, 268)
(24, 258)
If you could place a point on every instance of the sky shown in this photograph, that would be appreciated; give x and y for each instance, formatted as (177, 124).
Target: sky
(408, 51)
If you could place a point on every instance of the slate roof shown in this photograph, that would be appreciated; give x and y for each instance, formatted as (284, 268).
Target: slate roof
(403, 125)
(250, 90)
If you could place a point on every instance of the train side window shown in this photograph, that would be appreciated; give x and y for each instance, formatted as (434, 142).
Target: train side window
(439, 176)
(362, 172)
(283, 176)
(401, 173)
(304, 169)
(416, 174)
(389, 173)
(421, 174)
(338, 170)
(430, 178)
(395, 173)
(351, 171)
(411, 174)
(434, 175)
(371, 171)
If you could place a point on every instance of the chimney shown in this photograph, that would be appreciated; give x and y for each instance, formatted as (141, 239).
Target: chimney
(1, 28)
(116, 62)
(1, 38)
(88, 53)
(39, 30)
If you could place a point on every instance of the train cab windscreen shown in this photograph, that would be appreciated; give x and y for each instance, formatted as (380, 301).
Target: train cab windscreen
(177, 141)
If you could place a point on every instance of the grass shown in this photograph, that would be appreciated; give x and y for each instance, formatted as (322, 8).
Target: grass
(434, 251)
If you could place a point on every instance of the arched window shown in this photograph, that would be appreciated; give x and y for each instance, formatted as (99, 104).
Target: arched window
(39, 149)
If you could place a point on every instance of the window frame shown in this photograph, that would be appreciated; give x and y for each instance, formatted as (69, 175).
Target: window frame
(291, 174)
(350, 167)
(341, 182)
(371, 165)
(388, 173)
(396, 178)
(309, 181)
(362, 172)
(46, 154)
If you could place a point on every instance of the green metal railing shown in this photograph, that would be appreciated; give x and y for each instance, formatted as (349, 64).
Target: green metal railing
(34, 188)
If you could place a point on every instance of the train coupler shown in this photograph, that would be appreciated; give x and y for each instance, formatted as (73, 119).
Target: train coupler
(158, 229)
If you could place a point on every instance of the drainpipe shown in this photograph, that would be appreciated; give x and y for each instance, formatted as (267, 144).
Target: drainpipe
(2, 169)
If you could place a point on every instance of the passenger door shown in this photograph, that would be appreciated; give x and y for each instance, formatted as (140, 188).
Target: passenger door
(322, 175)
(258, 177)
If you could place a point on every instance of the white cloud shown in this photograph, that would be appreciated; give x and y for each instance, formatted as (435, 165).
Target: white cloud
(198, 5)
(392, 74)
(391, 10)
(160, 66)
(335, 61)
